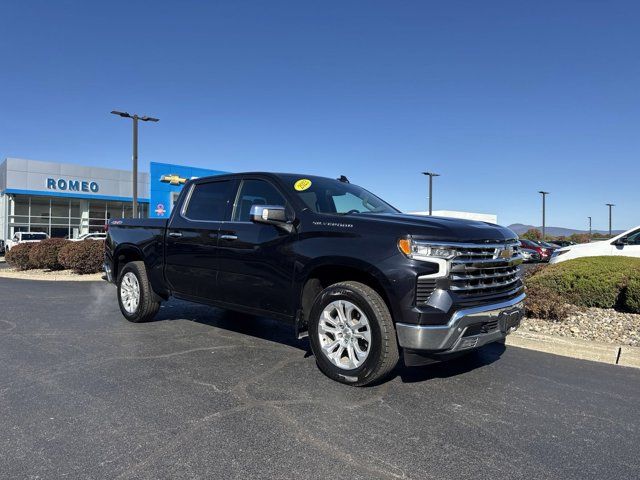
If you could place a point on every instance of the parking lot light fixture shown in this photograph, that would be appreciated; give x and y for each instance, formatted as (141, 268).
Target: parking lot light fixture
(544, 213)
(610, 205)
(135, 117)
(431, 175)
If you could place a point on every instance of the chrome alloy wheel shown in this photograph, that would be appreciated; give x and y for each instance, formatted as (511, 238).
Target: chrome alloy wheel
(130, 292)
(345, 334)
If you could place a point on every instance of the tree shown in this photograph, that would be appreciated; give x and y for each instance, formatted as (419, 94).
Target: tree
(579, 238)
(532, 234)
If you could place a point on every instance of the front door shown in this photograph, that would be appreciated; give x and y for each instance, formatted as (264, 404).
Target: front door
(192, 238)
(631, 248)
(254, 260)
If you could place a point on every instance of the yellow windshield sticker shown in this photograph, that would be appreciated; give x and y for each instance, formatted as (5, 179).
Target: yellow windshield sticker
(302, 184)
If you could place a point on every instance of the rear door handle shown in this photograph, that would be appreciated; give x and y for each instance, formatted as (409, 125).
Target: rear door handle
(228, 237)
(175, 234)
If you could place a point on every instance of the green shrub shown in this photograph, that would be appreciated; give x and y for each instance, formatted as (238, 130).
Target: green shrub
(587, 282)
(18, 256)
(44, 254)
(631, 301)
(83, 257)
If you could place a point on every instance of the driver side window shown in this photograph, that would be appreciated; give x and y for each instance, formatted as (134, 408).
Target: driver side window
(255, 192)
(634, 238)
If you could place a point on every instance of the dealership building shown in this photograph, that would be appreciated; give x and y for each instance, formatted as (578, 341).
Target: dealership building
(67, 200)
(64, 200)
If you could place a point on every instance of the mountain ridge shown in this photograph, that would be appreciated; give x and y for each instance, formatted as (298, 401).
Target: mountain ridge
(521, 228)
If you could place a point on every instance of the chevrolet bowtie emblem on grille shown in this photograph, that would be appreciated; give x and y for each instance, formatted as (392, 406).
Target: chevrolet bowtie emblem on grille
(173, 179)
(505, 253)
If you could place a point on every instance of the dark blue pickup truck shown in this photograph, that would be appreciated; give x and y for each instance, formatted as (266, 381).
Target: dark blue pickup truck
(365, 282)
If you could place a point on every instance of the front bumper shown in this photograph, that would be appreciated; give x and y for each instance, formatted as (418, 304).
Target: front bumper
(467, 329)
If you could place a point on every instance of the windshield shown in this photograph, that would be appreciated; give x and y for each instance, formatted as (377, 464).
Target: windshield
(33, 236)
(324, 195)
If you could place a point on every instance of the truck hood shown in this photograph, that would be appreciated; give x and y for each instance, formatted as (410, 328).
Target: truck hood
(442, 229)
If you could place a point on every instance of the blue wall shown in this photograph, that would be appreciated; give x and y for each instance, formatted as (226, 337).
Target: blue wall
(160, 202)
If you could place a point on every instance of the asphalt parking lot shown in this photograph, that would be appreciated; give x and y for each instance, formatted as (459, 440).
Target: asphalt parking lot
(205, 393)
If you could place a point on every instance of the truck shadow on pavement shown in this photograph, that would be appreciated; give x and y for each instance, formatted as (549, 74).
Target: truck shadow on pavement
(265, 328)
(482, 357)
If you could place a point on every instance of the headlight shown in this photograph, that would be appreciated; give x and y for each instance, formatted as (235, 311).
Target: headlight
(422, 250)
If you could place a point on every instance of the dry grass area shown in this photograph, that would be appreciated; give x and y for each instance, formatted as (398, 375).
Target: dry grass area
(58, 275)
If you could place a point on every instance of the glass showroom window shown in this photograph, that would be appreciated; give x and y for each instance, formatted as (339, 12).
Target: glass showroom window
(18, 214)
(97, 215)
(40, 215)
(75, 218)
(60, 220)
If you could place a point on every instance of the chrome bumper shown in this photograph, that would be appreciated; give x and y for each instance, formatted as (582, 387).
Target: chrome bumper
(451, 337)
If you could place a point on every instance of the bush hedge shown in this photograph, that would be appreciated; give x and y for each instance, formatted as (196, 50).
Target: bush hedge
(605, 282)
(44, 254)
(83, 257)
(631, 299)
(18, 256)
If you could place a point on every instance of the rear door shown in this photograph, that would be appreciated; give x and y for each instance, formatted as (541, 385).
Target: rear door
(192, 238)
(255, 261)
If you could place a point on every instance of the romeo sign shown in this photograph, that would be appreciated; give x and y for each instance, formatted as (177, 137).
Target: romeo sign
(72, 185)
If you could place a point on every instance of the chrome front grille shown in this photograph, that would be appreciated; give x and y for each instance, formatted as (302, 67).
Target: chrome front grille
(485, 269)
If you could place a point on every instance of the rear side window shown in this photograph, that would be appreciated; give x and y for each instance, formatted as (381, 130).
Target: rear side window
(255, 192)
(208, 201)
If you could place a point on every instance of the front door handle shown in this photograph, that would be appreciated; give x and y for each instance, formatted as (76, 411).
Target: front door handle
(175, 234)
(228, 237)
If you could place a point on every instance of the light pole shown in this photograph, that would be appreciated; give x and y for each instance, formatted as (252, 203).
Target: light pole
(431, 175)
(589, 228)
(610, 205)
(544, 213)
(135, 118)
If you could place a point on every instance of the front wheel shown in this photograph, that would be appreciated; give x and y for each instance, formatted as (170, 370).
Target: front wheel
(352, 335)
(135, 297)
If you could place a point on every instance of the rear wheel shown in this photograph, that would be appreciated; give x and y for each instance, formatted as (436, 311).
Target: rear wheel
(352, 335)
(135, 297)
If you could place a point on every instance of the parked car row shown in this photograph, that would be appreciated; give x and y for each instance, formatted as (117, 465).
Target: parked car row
(536, 251)
(25, 237)
(626, 244)
(32, 237)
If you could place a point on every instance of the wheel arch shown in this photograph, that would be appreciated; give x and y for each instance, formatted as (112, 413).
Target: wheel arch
(328, 271)
(124, 254)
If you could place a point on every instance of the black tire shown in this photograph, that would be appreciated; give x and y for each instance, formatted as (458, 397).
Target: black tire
(147, 306)
(383, 349)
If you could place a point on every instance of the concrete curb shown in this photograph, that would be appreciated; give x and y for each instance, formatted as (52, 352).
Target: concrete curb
(51, 277)
(572, 347)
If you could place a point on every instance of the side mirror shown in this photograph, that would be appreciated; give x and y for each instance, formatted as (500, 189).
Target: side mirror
(270, 215)
(620, 242)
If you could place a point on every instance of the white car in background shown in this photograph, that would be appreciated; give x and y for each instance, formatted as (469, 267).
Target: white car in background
(90, 236)
(25, 237)
(626, 244)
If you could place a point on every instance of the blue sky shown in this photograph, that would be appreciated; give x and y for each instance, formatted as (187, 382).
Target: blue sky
(503, 98)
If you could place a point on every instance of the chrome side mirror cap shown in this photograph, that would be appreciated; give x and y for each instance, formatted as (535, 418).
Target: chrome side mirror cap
(271, 215)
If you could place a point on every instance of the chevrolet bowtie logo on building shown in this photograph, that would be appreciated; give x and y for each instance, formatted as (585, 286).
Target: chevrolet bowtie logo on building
(173, 179)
